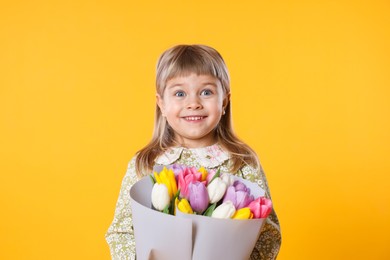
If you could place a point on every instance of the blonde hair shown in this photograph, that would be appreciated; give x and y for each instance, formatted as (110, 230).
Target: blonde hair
(182, 60)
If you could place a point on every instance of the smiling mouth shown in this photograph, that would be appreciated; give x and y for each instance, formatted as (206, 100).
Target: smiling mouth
(194, 118)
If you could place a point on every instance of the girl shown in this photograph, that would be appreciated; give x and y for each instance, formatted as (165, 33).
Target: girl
(193, 127)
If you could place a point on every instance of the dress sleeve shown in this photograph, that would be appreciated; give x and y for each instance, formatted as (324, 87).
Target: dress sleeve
(120, 235)
(268, 245)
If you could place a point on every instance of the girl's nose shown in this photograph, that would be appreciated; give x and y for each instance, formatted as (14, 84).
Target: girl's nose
(194, 103)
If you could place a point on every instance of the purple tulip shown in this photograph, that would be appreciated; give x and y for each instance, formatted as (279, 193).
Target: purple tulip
(239, 194)
(177, 168)
(241, 186)
(198, 196)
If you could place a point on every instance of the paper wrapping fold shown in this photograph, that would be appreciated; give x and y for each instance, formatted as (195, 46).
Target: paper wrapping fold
(189, 237)
(158, 235)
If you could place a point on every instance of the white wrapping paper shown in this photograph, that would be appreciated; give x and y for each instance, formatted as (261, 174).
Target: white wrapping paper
(189, 237)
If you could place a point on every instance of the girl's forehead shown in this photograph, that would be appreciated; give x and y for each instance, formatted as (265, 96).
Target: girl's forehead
(193, 78)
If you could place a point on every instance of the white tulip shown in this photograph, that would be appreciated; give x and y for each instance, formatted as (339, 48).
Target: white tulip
(216, 189)
(228, 179)
(160, 196)
(225, 210)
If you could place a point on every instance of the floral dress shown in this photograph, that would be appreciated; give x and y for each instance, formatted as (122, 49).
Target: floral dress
(120, 235)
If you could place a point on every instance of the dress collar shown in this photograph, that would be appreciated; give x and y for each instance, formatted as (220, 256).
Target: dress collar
(209, 157)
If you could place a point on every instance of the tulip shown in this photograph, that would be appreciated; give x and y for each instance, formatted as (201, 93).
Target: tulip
(210, 176)
(225, 210)
(160, 196)
(261, 207)
(177, 168)
(239, 194)
(243, 213)
(184, 206)
(241, 186)
(216, 189)
(167, 177)
(198, 196)
(185, 178)
(228, 179)
(204, 173)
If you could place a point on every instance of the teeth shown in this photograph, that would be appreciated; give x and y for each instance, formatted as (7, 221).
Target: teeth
(193, 118)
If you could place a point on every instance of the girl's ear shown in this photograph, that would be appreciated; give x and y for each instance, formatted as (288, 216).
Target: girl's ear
(226, 101)
(160, 103)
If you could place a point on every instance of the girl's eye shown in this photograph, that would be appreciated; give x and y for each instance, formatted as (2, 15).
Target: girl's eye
(180, 94)
(206, 92)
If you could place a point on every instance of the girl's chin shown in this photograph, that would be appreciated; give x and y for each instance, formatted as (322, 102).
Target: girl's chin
(195, 141)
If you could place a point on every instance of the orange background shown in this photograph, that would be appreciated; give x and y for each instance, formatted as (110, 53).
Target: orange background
(310, 93)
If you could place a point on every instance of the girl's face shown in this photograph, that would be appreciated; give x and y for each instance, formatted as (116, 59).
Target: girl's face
(193, 106)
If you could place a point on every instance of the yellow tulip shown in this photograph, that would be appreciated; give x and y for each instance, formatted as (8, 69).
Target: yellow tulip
(176, 203)
(184, 206)
(204, 173)
(167, 177)
(243, 213)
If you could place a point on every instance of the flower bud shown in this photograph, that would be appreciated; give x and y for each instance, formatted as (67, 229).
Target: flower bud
(216, 189)
(160, 196)
(228, 179)
(167, 177)
(225, 210)
(243, 213)
(239, 194)
(198, 196)
(261, 207)
(184, 206)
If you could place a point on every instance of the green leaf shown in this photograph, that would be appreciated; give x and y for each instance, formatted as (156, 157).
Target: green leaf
(177, 193)
(166, 209)
(215, 176)
(172, 203)
(210, 210)
(152, 178)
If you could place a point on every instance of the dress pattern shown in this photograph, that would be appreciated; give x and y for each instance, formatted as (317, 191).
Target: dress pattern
(120, 235)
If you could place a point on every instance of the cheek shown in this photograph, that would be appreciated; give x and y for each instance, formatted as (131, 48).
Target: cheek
(171, 107)
(215, 106)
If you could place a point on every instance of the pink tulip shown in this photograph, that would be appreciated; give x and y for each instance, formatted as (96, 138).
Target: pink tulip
(185, 177)
(261, 207)
(210, 175)
(198, 196)
(239, 194)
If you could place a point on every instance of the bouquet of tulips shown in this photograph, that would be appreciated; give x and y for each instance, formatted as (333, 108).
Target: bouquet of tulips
(208, 193)
(202, 206)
